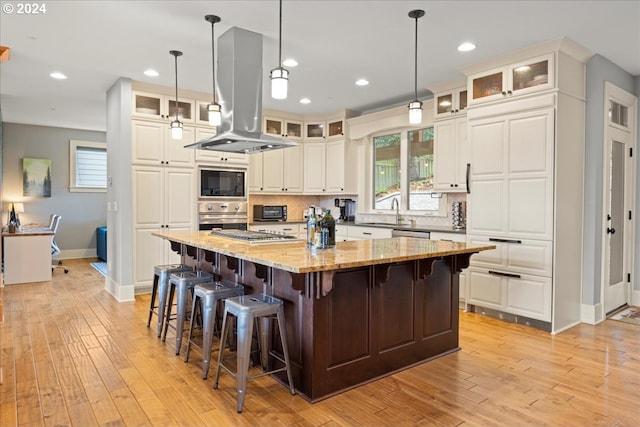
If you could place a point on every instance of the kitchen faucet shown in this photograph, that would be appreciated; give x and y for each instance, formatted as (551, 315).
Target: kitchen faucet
(395, 202)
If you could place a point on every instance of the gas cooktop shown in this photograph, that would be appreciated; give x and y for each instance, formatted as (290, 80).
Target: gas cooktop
(255, 236)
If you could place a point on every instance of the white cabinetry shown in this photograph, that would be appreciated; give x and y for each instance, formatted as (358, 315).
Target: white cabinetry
(451, 155)
(154, 106)
(324, 129)
(450, 103)
(285, 128)
(163, 198)
(362, 232)
(152, 144)
(276, 171)
(292, 229)
(518, 78)
(324, 167)
(526, 180)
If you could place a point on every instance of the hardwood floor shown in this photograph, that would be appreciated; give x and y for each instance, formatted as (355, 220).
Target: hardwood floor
(71, 355)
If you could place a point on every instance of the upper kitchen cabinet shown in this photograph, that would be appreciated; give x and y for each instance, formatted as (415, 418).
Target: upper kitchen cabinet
(154, 106)
(151, 144)
(451, 155)
(327, 167)
(324, 129)
(450, 103)
(218, 157)
(285, 128)
(519, 78)
(276, 171)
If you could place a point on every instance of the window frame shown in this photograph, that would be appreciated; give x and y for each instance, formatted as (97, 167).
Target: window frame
(73, 149)
(404, 183)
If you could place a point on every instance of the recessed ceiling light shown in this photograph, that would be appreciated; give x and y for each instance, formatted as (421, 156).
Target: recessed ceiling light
(151, 73)
(466, 47)
(57, 75)
(362, 82)
(305, 101)
(290, 62)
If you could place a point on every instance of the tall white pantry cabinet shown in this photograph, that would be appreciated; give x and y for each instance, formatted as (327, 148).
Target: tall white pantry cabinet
(526, 187)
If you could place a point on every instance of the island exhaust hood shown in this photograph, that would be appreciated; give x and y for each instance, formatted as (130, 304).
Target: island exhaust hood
(239, 87)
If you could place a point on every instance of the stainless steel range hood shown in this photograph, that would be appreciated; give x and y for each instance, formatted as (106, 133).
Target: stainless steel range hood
(239, 87)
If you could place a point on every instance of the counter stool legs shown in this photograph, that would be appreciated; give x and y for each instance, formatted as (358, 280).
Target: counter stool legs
(247, 309)
(206, 297)
(161, 275)
(181, 283)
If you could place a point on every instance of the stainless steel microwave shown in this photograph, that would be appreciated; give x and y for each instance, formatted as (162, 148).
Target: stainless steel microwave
(270, 213)
(222, 183)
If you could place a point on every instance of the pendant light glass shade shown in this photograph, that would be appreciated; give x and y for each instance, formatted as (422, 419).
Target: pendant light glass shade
(176, 125)
(215, 115)
(415, 112)
(415, 106)
(279, 83)
(176, 129)
(213, 109)
(279, 76)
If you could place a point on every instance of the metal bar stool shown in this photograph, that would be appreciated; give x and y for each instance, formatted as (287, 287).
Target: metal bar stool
(209, 294)
(181, 283)
(161, 275)
(247, 309)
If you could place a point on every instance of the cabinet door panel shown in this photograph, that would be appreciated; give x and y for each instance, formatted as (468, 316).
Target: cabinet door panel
(487, 208)
(273, 171)
(444, 154)
(533, 257)
(462, 153)
(530, 209)
(148, 200)
(176, 154)
(335, 166)
(255, 172)
(149, 251)
(147, 142)
(485, 289)
(531, 143)
(293, 162)
(314, 166)
(529, 296)
(488, 148)
(181, 203)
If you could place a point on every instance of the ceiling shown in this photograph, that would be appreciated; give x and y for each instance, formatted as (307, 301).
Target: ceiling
(335, 42)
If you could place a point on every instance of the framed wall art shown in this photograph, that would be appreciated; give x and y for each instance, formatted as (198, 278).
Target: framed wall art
(36, 177)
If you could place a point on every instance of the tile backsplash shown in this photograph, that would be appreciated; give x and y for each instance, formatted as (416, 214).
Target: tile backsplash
(295, 204)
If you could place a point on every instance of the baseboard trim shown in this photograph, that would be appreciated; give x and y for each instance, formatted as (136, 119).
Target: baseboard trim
(77, 253)
(591, 314)
(119, 292)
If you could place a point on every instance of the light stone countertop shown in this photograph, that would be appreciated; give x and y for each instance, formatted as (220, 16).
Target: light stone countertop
(295, 257)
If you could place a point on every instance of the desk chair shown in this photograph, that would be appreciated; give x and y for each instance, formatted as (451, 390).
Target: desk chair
(52, 217)
(55, 250)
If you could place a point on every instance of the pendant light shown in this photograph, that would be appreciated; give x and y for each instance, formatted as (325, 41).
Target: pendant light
(176, 125)
(279, 76)
(415, 106)
(215, 116)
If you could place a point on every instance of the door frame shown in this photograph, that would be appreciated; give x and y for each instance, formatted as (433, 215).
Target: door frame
(612, 92)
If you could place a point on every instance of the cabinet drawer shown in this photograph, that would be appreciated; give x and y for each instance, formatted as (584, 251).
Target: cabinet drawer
(277, 228)
(360, 232)
(454, 237)
(520, 294)
(515, 255)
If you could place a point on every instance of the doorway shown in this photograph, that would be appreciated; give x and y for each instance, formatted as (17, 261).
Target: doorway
(618, 197)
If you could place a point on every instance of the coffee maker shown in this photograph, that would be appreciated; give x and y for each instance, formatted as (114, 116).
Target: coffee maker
(347, 209)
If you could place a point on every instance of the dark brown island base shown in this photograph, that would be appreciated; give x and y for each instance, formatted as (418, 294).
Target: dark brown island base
(356, 312)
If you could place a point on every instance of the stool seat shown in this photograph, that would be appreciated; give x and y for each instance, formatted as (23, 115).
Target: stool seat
(208, 294)
(180, 283)
(247, 309)
(161, 275)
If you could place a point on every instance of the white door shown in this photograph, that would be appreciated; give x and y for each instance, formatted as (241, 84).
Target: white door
(618, 196)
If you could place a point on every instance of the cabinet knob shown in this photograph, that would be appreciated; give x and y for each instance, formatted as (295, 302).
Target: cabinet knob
(504, 93)
(510, 92)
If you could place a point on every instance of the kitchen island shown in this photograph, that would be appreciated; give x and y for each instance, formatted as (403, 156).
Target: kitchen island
(356, 312)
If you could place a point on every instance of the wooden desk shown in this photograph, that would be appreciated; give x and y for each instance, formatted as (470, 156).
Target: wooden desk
(27, 255)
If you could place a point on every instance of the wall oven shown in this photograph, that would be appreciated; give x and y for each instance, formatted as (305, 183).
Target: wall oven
(222, 214)
(218, 183)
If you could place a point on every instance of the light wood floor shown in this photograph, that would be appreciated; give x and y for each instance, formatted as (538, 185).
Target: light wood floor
(71, 355)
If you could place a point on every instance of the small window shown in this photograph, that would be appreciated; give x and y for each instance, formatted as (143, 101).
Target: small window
(387, 169)
(87, 166)
(619, 114)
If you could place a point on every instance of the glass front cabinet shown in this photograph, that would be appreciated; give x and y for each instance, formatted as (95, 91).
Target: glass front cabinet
(450, 103)
(525, 77)
(329, 129)
(290, 129)
(162, 107)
